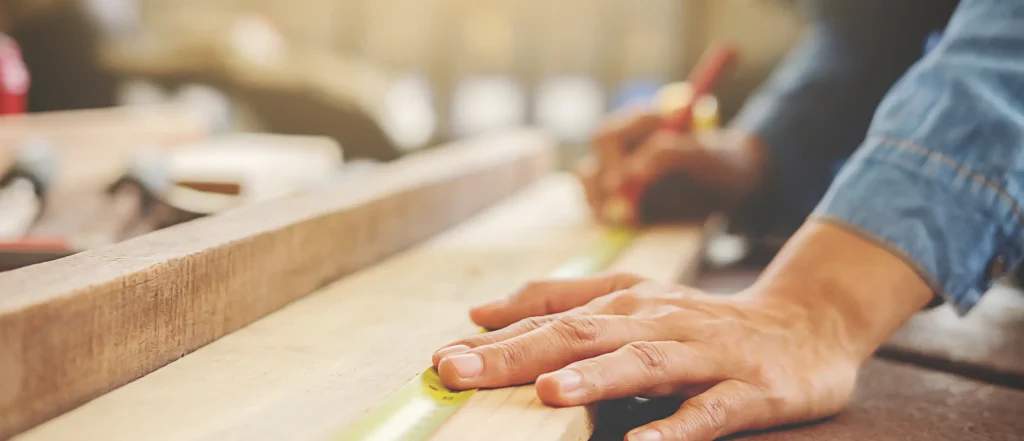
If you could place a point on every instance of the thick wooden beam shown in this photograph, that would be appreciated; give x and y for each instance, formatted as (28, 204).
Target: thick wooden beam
(308, 370)
(73, 329)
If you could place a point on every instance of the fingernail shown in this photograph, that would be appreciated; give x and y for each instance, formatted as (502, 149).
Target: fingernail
(568, 381)
(467, 365)
(645, 435)
(451, 350)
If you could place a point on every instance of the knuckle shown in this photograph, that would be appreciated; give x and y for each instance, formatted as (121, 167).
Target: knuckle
(531, 323)
(624, 280)
(594, 372)
(511, 355)
(577, 329)
(713, 411)
(650, 355)
(625, 301)
(532, 288)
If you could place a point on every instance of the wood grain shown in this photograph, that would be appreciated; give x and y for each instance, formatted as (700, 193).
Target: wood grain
(75, 328)
(306, 371)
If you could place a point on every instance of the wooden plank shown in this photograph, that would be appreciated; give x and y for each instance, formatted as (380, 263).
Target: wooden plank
(75, 328)
(306, 371)
(987, 343)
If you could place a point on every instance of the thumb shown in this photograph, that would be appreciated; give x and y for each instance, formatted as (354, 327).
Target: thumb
(549, 297)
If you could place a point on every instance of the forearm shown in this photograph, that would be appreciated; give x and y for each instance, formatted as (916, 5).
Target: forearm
(851, 286)
(939, 181)
(931, 202)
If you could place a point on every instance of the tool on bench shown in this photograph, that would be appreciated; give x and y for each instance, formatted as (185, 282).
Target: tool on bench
(626, 207)
(129, 199)
(15, 79)
(23, 196)
(23, 189)
(420, 407)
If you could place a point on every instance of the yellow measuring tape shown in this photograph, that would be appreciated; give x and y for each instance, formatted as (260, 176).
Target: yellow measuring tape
(420, 407)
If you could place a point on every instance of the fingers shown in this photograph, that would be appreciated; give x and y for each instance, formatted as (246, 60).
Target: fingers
(549, 297)
(616, 138)
(729, 407)
(640, 368)
(521, 359)
(519, 328)
(587, 173)
(665, 152)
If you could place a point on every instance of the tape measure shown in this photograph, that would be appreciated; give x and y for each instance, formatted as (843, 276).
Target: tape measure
(420, 407)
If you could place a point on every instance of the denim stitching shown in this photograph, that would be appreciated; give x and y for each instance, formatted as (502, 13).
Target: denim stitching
(929, 279)
(957, 167)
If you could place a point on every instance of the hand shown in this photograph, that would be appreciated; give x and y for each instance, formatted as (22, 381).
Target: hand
(785, 351)
(747, 362)
(726, 167)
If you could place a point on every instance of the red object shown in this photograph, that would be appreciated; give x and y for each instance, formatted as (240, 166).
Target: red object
(14, 77)
(705, 75)
(36, 243)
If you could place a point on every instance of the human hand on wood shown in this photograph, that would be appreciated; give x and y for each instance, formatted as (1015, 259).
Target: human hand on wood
(726, 167)
(785, 351)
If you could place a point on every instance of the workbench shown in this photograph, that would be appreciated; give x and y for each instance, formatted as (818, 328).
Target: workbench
(291, 318)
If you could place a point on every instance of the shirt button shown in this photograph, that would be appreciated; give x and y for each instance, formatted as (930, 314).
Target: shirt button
(997, 268)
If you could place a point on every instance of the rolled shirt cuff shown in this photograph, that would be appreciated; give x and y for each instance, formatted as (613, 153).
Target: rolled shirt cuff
(949, 224)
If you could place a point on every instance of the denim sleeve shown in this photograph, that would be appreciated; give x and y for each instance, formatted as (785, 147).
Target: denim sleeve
(939, 179)
(816, 107)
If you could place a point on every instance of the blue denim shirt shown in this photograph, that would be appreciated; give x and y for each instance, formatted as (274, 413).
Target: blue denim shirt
(937, 167)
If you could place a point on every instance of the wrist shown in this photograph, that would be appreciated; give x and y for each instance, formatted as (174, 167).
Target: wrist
(851, 286)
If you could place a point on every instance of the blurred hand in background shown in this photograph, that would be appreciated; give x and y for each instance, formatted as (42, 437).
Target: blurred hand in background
(725, 166)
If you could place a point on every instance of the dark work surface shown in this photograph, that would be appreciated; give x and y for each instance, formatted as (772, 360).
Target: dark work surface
(903, 402)
(987, 343)
(895, 402)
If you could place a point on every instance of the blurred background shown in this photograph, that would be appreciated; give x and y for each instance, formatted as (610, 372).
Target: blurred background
(388, 76)
(251, 99)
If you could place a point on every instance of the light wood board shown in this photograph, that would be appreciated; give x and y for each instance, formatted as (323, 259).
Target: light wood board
(308, 370)
(75, 328)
